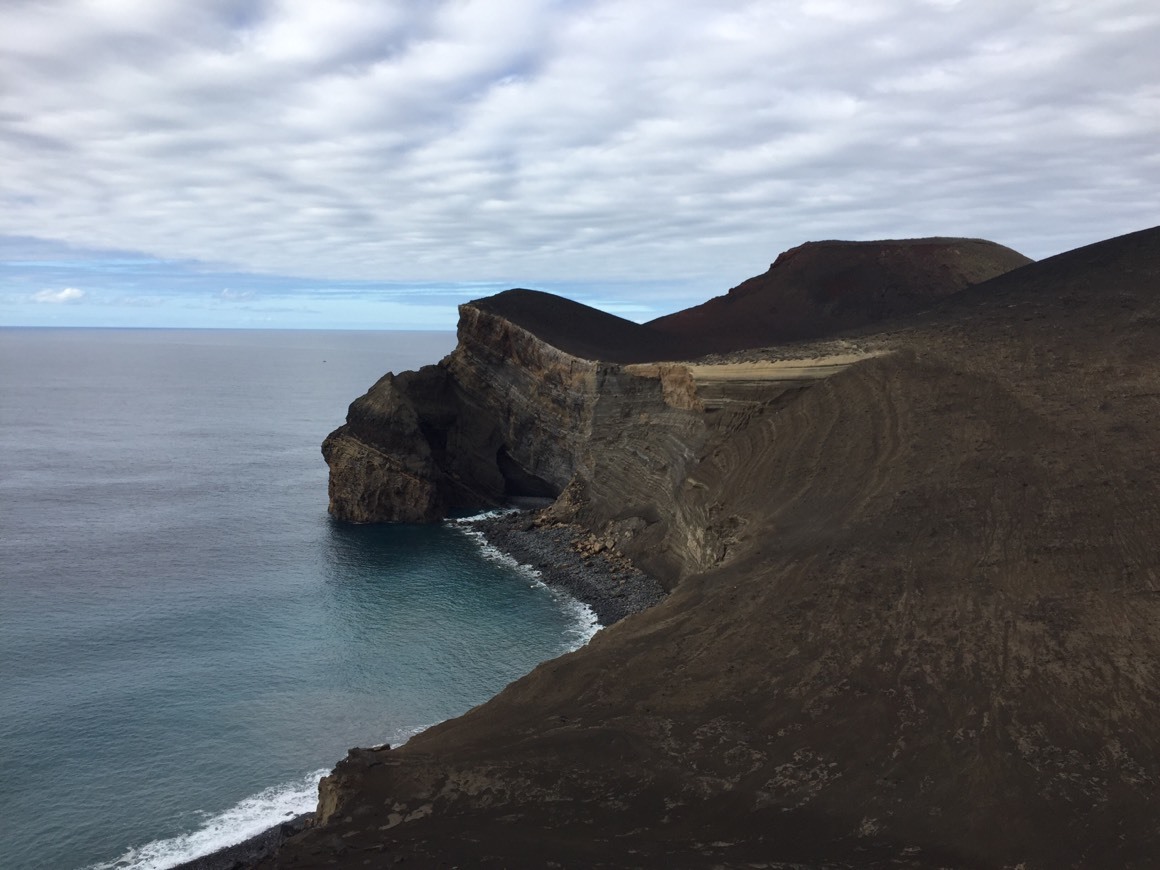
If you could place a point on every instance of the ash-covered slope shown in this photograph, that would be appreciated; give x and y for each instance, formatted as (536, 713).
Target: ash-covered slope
(917, 621)
(580, 330)
(821, 288)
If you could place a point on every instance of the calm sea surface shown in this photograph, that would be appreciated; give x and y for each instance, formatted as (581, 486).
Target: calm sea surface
(187, 641)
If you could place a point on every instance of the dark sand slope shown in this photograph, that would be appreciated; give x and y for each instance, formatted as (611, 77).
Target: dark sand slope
(820, 288)
(580, 330)
(934, 639)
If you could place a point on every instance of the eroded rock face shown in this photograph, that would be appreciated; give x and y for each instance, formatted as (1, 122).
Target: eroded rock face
(381, 463)
(506, 414)
(525, 407)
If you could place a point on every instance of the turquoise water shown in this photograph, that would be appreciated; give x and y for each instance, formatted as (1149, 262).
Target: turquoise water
(187, 641)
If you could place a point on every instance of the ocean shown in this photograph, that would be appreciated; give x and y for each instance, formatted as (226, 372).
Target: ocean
(187, 640)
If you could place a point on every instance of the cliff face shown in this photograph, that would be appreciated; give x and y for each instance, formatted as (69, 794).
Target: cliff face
(525, 407)
(914, 618)
(381, 464)
(506, 414)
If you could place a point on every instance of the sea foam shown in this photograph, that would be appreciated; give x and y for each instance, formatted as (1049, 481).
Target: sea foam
(584, 620)
(245, 819)
(465, 525)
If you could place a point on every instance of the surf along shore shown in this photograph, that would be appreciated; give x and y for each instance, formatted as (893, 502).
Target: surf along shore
(565, 558)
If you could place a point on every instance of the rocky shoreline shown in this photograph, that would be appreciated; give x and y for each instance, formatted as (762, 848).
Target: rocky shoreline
(567, 557)
(250, 851)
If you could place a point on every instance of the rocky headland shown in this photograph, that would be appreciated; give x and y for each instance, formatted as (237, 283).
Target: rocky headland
(913, 609)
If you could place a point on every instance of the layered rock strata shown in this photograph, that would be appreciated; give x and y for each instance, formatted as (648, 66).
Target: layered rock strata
(506, 414)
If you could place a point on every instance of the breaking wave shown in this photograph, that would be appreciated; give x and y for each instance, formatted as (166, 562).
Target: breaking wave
(583, 618)
(245, 819)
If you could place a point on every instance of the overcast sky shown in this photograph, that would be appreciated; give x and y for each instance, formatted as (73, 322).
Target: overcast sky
(371, 164)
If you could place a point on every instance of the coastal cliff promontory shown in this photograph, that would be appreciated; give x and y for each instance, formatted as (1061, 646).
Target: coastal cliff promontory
(507, 414)
(537, 382)
(914, 617)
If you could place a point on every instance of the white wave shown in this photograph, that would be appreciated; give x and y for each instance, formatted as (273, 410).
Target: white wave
(584, 621)
(489, 552)
(247, 818)
(485, 515)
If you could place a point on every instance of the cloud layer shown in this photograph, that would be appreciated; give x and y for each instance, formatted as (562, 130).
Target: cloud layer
(533, 141)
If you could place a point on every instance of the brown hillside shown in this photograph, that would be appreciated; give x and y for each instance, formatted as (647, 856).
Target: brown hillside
(915, 620)
(821, 288)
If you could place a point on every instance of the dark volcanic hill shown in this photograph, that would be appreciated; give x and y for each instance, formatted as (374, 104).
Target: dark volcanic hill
(914, 618)
(821, 288)
(581, 330)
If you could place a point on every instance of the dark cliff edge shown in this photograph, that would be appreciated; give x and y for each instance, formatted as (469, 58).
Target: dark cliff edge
(914, 617)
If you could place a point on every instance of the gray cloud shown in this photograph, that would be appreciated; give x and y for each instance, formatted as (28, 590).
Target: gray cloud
(536, 141)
